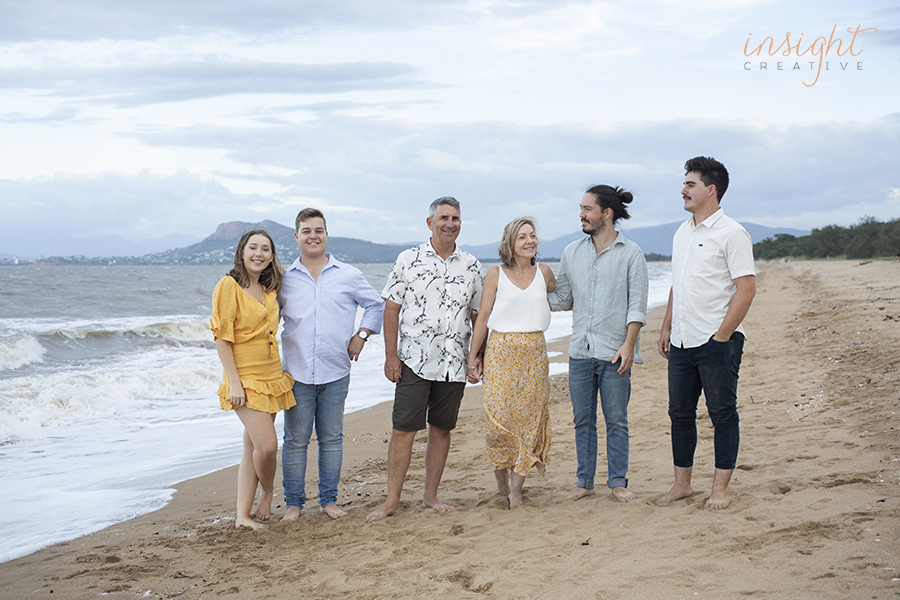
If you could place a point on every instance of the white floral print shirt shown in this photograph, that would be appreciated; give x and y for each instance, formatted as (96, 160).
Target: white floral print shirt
(438, 298)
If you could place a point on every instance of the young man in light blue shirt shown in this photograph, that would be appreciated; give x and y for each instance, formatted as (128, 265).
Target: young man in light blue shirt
(319, 300)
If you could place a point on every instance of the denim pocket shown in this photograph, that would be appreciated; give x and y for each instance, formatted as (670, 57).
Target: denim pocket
(719, 347)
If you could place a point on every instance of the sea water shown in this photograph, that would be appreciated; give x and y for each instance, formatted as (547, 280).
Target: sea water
(109, 378)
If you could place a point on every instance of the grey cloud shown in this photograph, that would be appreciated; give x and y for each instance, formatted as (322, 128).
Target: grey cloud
(131, 85)
(886, 37)
(61, 116)
(393, 168)
(141, 206)
(114, 19)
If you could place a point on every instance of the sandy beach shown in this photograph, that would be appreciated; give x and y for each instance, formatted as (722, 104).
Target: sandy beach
(815, 511)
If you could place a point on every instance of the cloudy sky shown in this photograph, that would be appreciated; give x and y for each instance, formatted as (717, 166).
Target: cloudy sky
(142, 119)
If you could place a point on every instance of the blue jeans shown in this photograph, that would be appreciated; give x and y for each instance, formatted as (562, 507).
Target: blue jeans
(586, 378)
(322, 406)
(712, 367)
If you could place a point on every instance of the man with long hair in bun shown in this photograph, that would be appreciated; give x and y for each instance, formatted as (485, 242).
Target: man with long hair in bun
(603, 279)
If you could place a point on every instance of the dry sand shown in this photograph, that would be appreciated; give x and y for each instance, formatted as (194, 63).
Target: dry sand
(815, 509)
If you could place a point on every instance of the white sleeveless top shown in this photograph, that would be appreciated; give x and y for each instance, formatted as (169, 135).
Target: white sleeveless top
(516, 310)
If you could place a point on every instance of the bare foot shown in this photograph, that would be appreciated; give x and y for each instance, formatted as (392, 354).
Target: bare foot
(718, 500)
(515, 501)
(623, 495)
(436, 505)
(719, 497)
(264, 508)
(385, 510)
(248, 522)
(502, 476)
(677, 493)
(580, 493)
(332, 511)
(292, 514)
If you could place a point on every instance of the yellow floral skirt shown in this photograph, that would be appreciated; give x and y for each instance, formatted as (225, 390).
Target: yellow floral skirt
(516, 391)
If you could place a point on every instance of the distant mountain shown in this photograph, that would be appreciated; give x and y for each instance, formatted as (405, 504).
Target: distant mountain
(219, 247)
(656, 239)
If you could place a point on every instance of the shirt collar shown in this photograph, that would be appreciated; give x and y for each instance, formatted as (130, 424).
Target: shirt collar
(620, 239)
(429, 249)
(299, 266)
(710, 220)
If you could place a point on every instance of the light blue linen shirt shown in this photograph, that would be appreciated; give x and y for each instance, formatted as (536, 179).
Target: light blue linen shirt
(320, 318)
(606, 292)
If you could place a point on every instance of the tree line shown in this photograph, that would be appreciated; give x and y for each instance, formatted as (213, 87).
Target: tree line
(869, 238)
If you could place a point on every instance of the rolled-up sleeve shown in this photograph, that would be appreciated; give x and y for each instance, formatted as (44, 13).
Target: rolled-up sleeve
(371, 302)
(561, 296)
(638, 289)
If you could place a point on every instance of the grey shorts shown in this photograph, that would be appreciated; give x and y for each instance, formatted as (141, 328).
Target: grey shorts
(418, 400)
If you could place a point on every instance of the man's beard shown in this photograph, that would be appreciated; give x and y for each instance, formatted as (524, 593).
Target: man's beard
(601, 226)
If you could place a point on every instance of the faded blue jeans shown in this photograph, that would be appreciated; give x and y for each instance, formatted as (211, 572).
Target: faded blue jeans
(321, 406)
(587, 377)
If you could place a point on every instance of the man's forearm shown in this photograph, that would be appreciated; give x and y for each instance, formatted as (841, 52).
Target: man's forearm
(667, 319)
(634, 328)
(391, 328)
(737, 308)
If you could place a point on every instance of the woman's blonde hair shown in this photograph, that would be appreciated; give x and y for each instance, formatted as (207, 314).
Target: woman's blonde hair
(508, 242)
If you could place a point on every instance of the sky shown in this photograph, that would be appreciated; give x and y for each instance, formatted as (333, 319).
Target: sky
(144, 119)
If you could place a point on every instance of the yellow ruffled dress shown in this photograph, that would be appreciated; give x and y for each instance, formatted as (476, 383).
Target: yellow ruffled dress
(250, 326)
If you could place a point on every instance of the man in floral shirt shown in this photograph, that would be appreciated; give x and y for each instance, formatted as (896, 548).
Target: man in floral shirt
(431, 298)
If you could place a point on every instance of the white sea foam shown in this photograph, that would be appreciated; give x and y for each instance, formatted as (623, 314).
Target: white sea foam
(20, 350)
(102, 389)
(187, 332)
(139, 325)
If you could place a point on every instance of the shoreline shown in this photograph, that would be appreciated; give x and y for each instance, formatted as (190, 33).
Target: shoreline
(818, 403)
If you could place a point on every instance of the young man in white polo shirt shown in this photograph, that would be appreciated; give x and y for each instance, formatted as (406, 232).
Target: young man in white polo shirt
(713, 284)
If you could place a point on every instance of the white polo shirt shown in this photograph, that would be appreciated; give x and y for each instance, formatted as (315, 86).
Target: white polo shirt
(706, 259)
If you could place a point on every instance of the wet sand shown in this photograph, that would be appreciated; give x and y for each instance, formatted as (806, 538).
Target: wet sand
(815, 511)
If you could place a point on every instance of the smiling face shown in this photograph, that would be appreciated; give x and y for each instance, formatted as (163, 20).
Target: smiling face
(445, 225)
(258, 254)
(312, 237)
(526, 242)
(699, 199)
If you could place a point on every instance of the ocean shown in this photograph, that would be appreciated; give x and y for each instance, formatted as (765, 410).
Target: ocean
(109, 378)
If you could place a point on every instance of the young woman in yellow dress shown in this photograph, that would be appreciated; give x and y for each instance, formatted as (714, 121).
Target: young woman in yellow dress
(244, 322)
(516, 385)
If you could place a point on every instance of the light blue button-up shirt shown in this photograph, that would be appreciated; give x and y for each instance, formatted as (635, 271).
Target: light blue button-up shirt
(320, 318)
(606, 292)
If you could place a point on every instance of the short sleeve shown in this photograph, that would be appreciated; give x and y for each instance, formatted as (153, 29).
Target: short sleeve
(739, 254)
(478, 284)
(224, 309)
(395, 287)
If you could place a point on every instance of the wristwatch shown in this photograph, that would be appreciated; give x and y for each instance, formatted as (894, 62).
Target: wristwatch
(363, 334)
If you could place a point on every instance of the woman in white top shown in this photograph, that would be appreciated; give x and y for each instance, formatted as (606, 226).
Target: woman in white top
(516, 385)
